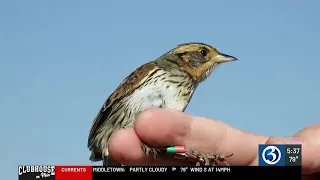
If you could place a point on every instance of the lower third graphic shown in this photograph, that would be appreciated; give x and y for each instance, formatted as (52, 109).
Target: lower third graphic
(271, 155)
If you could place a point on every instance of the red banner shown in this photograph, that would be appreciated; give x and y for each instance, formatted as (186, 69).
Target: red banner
(73, 173)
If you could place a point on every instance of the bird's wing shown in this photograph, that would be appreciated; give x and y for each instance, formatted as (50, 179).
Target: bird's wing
(128, 85)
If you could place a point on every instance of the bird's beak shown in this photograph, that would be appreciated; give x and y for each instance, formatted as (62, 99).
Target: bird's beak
(222, 58)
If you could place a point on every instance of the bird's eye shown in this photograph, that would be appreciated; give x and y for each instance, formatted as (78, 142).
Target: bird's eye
(203, 52)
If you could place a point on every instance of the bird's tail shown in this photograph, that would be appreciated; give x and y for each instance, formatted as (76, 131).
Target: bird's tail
(95, 156)
(109, 161)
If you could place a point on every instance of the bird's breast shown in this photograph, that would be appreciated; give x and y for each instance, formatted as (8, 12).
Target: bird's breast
(163, 94)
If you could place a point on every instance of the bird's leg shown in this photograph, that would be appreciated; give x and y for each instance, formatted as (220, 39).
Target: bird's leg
(150, 150)
(180, 152)
(198, 157)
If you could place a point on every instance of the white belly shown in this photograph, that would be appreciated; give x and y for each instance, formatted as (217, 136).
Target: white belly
(158, 95)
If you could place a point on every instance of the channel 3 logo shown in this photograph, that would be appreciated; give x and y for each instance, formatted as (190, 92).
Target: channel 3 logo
(271, 155)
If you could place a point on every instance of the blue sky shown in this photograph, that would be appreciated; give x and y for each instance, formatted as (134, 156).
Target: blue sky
(60, 60)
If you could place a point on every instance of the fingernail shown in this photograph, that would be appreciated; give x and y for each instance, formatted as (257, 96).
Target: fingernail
(292, 140)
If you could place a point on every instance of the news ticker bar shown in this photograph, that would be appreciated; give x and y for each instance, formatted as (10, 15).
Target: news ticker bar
(102, 172)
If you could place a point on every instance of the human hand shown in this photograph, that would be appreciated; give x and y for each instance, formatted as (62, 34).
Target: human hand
(164, 127)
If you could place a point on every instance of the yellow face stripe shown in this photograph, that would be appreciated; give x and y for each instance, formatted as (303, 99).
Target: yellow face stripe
(195, 47)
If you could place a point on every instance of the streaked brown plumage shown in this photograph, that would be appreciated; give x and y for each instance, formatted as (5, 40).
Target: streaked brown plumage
(168, 82)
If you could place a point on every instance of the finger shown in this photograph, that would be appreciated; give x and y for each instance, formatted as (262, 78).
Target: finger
(309, 136)
(125, 147)
(165, 127)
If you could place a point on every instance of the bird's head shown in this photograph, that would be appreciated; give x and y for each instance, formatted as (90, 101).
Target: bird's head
(199, 59)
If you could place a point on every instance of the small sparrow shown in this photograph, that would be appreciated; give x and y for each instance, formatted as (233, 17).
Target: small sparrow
(167, 82)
